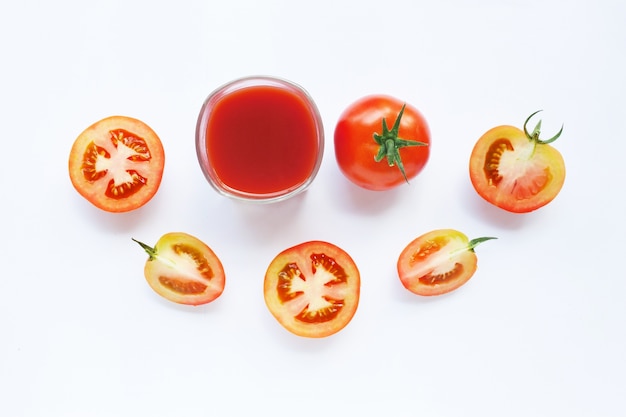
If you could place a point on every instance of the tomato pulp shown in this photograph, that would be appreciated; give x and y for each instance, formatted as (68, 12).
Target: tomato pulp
(260, 139)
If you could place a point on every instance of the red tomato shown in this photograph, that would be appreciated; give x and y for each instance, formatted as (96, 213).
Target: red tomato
(370, 154)
(312, 289)
(183, 269)
(438, 262)
(515, 170)
(117, 164)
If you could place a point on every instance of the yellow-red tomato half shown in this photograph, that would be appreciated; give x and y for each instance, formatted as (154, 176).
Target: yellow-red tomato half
(515, 170)
(183, 269)
(117, 164)
(438, 262)
(312, 289)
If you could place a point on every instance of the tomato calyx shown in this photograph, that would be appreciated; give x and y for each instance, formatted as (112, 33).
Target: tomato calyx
(534, 136)
(390, 144)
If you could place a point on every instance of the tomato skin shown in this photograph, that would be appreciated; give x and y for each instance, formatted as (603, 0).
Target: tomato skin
(117, 164)
(513, 172)
(312, 289)
(183, 269)
(438, 262)
(355, 148)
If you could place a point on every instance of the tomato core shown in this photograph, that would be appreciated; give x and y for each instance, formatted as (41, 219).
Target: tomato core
(261, 141)
(130, 149)
(429, 248)
(318, 284)
(201, 264)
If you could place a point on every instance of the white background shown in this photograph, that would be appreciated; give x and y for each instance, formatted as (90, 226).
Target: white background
(540, 330)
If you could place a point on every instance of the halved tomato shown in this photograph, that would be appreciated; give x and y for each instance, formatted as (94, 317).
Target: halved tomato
(184, 269)
(312, 289)
(438, 262)
(117, 164)
(515, 170)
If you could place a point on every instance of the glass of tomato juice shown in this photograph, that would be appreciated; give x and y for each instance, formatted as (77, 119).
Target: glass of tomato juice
(259, 139)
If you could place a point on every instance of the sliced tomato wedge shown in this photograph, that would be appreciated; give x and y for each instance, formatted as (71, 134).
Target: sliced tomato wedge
(117, 164)
(312, 289)
(183, 269)
(438, 262)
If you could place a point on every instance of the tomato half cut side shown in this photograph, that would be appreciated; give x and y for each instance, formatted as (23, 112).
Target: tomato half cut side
(312, 289)
(438, 262)
(516, 170)
(183, 269)
(117, 164)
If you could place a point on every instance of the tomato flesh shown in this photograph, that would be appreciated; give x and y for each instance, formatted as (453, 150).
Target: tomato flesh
(432, 265)
(312, 289)
(515, 173)
(117, 164)
(198, 268)
(437, 262)
(183, 269)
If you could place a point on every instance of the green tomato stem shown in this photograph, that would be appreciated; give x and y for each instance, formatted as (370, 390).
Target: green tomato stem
(390, 144)
(475, 242)
(471, 245)
(149, 249)
(153, 255)
(534, 136)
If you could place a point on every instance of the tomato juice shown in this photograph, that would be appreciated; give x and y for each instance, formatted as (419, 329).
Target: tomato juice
(259, 139)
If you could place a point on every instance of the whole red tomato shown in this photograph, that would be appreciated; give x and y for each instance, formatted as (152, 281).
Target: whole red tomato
(373, 156)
